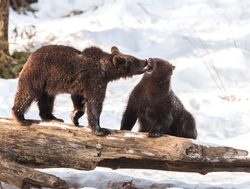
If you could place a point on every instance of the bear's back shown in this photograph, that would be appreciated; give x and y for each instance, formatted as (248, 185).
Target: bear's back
(53, 54)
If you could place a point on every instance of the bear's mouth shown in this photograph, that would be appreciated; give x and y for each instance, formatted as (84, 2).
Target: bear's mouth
(149, 68)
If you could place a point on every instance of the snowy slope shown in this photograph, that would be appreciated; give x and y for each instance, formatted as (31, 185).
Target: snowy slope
(207, 41)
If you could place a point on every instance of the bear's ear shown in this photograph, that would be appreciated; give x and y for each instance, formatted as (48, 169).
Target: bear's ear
(119, 59)
(173, 67)
(114, 50)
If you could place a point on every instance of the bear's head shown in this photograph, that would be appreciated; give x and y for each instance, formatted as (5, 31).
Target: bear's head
(127, 65)
(159, 68)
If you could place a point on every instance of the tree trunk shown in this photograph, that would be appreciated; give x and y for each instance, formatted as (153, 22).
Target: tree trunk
(4, 21)
(42, 146)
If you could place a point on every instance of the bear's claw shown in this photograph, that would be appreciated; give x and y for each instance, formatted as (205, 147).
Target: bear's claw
(102, 132)
(154, 134)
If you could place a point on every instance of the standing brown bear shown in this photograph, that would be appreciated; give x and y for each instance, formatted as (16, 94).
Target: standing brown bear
(58, 69)
(156, 106)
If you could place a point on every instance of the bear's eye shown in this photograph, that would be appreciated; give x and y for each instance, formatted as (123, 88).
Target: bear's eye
(118, 59)
(122, 61)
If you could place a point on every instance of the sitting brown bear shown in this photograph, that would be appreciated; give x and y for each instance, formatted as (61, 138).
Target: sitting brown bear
(58, 69)
(155, 105)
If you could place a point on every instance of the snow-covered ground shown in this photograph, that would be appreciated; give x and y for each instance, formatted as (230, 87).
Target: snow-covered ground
(207, 41)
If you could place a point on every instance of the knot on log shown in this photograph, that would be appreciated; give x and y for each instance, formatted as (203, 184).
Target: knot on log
(194, 151)
(98, 148)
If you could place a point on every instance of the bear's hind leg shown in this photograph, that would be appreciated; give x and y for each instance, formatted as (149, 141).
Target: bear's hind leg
(79, 108)
(22, 102)
(45, 105)
(186, 127)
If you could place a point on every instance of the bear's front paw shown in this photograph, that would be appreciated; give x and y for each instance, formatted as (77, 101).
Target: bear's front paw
(102, 132)
(58, 120)
(25, 122)
(154, 134)
(52, 119)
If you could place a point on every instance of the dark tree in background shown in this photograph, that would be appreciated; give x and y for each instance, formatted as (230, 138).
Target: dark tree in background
(10, 65)
(21, 6)
(4, 21)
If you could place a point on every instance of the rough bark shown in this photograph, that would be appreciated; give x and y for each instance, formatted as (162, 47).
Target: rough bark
(4, 22)
(25, 177)
(41, 146)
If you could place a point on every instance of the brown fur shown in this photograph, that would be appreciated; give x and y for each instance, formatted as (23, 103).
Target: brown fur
(155, 105)
(58, 69)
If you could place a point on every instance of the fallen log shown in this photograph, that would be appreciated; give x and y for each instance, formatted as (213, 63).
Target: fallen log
(44, 145)
(25, 177)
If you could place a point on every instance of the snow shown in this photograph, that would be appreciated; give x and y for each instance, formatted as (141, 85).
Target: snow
(207, 41)
(129, 135)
